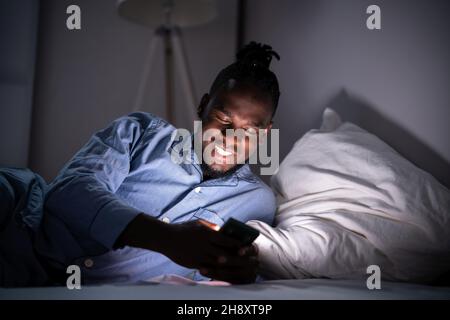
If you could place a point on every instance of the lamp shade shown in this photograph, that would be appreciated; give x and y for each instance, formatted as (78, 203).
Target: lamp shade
(152, 13)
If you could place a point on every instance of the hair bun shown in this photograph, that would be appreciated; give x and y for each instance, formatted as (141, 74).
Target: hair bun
(256, 55)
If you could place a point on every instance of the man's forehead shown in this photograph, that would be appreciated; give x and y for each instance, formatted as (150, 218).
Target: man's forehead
(245, 106)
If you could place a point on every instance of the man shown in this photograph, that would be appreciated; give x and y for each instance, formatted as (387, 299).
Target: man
(124, 211)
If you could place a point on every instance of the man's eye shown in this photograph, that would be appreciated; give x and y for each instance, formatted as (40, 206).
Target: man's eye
(251, 132)
(223, 121)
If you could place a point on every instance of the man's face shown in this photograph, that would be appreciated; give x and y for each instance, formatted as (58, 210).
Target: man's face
(244, 110)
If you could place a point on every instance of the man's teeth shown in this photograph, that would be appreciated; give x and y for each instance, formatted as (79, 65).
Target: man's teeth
(222, 152)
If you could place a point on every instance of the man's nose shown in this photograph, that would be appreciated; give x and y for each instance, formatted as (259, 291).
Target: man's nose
(232, 142)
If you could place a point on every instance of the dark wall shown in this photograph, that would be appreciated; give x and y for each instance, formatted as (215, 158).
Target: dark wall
(87, 78)
(18, 33)
(393, 81)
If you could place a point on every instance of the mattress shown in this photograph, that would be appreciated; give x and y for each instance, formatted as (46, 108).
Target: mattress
(299, 289)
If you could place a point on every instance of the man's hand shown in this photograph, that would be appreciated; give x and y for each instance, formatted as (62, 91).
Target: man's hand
(193, 245)
(245, 274)
(215, 255)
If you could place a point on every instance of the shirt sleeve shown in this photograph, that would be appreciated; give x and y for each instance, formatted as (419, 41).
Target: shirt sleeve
(83, 195)
(263, 205)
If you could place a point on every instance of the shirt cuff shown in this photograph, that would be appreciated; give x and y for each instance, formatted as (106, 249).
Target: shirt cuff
(110, 222)
(263, 245)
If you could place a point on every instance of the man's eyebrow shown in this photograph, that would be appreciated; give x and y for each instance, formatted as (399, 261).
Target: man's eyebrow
(259, 124)
(225, 112)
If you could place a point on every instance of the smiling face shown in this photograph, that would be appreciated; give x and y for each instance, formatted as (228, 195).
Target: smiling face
(243, 109)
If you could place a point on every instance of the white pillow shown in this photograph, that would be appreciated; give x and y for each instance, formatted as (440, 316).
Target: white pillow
(346, 200)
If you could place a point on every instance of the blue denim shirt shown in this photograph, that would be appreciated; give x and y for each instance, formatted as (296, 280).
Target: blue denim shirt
(124, 170)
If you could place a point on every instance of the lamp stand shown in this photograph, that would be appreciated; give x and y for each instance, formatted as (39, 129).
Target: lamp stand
(173, 46)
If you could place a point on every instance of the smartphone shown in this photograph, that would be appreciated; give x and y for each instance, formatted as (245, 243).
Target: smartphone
(239, 231)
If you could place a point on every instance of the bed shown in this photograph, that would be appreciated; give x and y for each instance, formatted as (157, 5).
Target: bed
(305, 289)
(359, 204)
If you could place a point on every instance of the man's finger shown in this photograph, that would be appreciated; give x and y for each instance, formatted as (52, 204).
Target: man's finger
(234, 264)
(250, 250)
(240, 262)
(223, 241)
(208, 224)
(236, 276)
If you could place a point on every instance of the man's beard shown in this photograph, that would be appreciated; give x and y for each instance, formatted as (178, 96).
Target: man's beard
(211, 173)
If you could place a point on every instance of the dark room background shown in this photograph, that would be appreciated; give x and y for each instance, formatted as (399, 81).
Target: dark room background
(59, 86)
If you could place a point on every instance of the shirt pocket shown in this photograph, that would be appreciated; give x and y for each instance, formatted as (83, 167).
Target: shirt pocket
(209, 216)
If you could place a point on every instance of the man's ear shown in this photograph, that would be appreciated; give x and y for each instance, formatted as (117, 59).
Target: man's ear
(267, 129)
(203, 104)
(266, 132)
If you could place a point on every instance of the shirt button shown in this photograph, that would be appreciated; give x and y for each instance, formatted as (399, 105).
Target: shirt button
(166, 219)
(198, 190)
(88, 263)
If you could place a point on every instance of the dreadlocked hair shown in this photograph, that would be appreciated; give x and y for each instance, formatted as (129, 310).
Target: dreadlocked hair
(251, 68)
